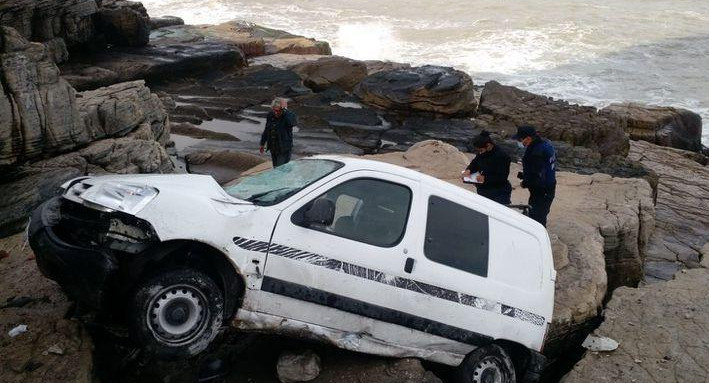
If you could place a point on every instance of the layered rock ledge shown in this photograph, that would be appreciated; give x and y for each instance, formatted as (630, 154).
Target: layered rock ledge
(663, 334)
(682, 211)
(50, 134)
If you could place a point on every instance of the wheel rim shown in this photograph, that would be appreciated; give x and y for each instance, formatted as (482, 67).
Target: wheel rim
(488, 370)
(177, 314)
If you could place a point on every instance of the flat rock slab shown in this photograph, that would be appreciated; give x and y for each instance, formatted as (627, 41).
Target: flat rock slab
(682, 210)
(663, 331)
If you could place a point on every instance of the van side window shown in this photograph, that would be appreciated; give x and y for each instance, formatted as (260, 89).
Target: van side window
(366, 210)
(457, 236)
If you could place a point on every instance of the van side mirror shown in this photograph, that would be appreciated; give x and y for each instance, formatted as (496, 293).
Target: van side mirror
(321, 212)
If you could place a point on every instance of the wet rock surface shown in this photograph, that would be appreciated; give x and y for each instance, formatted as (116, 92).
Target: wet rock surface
(675, 127)
(662, 333)
(152, 63)
(54, 348)
(428, 88)
(505, 107)
(682, 211)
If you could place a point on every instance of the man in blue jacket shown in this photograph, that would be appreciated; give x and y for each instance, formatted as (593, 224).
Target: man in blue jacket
(278, 133)
(538, 172)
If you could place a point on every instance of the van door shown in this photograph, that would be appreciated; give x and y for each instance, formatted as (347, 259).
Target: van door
(362, 263)
(458, 252)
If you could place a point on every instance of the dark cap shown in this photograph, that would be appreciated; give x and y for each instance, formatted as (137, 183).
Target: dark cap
(524, 131)
(482, 139)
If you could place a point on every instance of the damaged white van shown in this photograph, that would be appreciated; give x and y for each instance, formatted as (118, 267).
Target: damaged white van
(367, 256)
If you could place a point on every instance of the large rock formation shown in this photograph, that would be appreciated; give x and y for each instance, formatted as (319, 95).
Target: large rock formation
(428, 88)
(666, 126)
(603, 225)
(185, 51)
(42, 21)
(119, 109)
(153, 63)
(331, 71)
(54, 348)
(682, 208)
(165, 21)
(124, 23)
(250, 38)
(662, 331)
(38, 113)
(45, 127)
(506, 107)
(598, 224)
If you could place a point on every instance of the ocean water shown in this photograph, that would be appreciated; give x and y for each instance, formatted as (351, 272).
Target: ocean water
(588, 52)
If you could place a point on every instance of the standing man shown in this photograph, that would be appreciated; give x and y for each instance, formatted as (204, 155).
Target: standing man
(278, 133)
(493, 167)
(538, 171)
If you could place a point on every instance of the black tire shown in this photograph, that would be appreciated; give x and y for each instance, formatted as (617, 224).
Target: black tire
(177, 313)
(488, 364)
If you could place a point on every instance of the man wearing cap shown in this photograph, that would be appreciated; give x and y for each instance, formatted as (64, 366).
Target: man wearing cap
(278, 133)
(492, 165)
(538, 171)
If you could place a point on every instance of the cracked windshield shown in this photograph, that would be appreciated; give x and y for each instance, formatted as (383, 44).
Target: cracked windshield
(275, 185)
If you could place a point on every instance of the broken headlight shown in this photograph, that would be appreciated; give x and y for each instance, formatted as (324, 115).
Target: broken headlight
(119, 196)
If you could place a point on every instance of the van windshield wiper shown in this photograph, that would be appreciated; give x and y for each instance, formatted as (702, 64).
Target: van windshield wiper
(257, 197)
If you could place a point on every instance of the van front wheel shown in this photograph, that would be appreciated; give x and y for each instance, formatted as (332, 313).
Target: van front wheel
(488, 364)
(177, 313)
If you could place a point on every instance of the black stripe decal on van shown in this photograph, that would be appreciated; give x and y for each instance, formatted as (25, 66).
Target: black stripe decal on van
(381, 277)
(309, 294)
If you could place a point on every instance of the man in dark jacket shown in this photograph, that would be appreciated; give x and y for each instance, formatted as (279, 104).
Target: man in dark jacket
(493, 167)
(278, 133)
(538, 171)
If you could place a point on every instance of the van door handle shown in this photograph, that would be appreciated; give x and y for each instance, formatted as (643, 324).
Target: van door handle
(409, 265)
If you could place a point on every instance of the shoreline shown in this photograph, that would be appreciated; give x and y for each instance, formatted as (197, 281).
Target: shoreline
(521, 78)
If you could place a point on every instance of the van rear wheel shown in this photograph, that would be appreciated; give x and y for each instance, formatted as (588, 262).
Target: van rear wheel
(488, 364)
(177, 313)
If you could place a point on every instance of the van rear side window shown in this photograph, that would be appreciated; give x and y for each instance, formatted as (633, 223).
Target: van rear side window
(457, 236)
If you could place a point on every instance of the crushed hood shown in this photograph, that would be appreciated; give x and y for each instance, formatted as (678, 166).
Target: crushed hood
(192, 184)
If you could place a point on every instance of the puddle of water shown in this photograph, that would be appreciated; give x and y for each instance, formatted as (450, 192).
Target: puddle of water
(353, 105)
(182, 142)
(244, 130)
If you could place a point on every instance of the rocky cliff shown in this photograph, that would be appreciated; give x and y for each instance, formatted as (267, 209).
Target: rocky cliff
(682, 208)
(71, 21)
(50, 134)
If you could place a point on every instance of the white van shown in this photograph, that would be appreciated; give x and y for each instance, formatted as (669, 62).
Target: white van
(367, 256)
